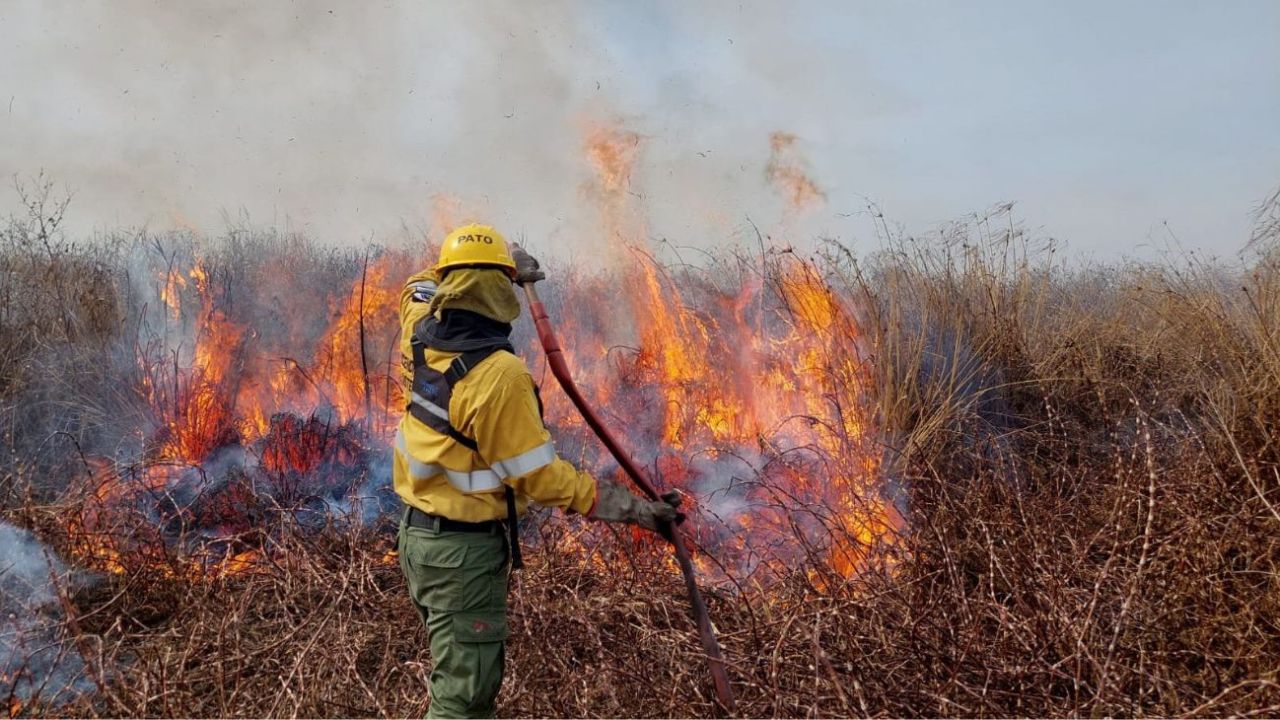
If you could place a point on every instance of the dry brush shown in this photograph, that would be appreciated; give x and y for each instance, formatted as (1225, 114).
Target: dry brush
(1085, 459)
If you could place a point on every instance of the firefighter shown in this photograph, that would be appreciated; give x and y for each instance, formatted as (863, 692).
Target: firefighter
(470, 453)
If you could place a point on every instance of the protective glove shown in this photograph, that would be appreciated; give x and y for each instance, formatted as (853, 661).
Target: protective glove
(615, 503)
(527, 268)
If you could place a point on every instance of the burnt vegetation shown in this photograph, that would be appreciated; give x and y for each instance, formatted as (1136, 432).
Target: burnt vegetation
(1086, 459)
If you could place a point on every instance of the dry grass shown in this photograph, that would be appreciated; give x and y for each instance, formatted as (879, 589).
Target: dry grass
(1092, 476)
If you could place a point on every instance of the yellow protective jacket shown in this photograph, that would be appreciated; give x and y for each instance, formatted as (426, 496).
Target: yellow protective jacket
(495, 405)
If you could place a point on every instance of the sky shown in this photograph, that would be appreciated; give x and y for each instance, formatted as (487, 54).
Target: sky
(1114, 126)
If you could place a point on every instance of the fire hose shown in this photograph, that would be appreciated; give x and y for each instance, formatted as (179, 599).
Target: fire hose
(559, 368)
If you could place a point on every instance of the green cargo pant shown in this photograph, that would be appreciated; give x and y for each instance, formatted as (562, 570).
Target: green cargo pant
(458, 582)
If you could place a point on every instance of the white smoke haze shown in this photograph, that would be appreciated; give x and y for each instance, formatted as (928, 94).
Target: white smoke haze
(34, 656)
(25, 568)
(347, 121)
(355, 120)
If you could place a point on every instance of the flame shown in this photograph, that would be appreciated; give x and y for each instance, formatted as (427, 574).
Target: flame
(228, 395)
(171, 293)
(371, 302)
(239, 562)
(786, 173)
(613, 153)
(743, 387)
(302, 419)
(769, 370)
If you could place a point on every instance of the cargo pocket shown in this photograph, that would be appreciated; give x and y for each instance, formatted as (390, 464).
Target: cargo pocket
(480, 638)
(471, 627)
(435, 569)
(433, 553)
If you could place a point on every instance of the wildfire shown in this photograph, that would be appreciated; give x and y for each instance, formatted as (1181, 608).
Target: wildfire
(769, 371)
(743, 388)
(242, 427)
(342, 356)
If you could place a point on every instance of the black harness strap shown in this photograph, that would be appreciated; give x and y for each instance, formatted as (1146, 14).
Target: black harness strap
(513, 528)
(462, 364)
(419, 352)
(428, 382)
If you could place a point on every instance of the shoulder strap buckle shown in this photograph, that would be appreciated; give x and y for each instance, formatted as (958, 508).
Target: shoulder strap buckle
(467, 361)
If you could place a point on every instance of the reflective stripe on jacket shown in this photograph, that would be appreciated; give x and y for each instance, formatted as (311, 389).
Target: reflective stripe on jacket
(495, 405)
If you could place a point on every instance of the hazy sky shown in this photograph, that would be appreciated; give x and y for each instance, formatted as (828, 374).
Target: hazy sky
(1103, 121)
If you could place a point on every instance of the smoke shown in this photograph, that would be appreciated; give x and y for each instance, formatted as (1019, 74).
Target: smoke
(35, 659)
(346, 121)
(250, 398)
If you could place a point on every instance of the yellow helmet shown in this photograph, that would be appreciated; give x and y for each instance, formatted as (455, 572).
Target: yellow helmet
(475, 245)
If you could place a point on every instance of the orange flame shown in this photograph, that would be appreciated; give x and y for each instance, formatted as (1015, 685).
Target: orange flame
(371, 302)
(230, 393)
(170, 293)
(786, 173)
(748, 393)
(768, 367)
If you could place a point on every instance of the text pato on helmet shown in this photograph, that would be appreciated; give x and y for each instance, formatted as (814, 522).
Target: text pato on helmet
(475, 245)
